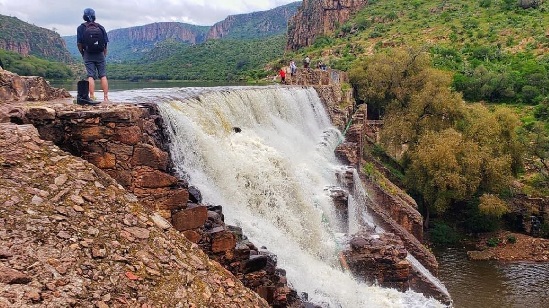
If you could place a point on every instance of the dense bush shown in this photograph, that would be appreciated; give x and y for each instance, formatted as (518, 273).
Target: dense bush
(442, 234)
(33, 66)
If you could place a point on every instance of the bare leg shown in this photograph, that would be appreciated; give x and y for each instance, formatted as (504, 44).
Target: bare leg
(105, 87)
(92, 87)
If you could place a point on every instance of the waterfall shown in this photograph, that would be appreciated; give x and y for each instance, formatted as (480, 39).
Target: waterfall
(272, 179)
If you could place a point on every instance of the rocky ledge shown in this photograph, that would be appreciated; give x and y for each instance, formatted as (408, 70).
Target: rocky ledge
(511, 247)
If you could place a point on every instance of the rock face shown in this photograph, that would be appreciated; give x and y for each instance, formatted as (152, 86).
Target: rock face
(71, 236)
(254, 25)
(127, 143)
(319, 17)
(160, 31)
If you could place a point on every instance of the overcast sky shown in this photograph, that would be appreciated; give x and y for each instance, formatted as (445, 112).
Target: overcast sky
(64, 16)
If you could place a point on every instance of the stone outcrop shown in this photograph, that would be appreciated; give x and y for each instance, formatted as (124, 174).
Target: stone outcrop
(319, 17)
(72, 236)
(127, 142)
(26, 88)
(382, 258)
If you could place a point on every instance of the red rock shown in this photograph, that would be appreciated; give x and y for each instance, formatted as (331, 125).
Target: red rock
(192, 236)
(190, 218)
(223, 241)
(132, 276)
(149, 178)
(11, 276)
(140, 233)
(148, 155)
(103, 161)
(93, 133)
(128, 135)
(174, 199)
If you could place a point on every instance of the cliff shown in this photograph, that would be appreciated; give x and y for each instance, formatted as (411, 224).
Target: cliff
(160, 31)
(27, 39)
(254, 25)
(319, 17)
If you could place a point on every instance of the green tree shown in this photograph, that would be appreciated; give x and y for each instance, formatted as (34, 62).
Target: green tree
(443, 168)
(492, 205)
(387, 77)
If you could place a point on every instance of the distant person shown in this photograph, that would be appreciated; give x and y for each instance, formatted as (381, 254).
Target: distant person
(293, 68)
(306, 62)
(92, 39)
(282, 74)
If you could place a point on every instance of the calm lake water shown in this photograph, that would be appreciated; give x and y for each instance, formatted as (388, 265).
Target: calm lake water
(489, 284)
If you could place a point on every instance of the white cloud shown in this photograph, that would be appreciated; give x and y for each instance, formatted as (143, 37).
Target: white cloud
(64, 16)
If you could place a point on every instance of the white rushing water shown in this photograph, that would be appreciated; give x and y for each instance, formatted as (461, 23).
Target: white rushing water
(272, 180)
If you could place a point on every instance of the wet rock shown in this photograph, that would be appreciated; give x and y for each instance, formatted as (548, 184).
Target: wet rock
(255, 263)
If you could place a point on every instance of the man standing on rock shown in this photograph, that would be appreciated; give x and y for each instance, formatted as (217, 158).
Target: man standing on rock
(92, 39)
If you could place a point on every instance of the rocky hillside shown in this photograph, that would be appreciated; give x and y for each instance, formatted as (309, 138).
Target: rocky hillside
(70, 235)
(26, 39)
(254, 25)
(315, 18)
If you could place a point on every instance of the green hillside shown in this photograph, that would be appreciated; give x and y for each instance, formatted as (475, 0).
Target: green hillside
(464, 87)
(259, 24)
(21, 37)
(215, 60)
(26, 49)
(494, 46)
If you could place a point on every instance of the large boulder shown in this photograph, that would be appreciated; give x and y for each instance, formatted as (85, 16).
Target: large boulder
(27, 88)
(382, 258)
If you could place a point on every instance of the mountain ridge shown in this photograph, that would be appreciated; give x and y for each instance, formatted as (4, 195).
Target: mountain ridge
(26, 39)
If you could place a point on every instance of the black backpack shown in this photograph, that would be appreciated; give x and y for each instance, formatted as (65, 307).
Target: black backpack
(94, 39)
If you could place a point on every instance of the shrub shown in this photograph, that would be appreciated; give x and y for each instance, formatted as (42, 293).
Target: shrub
(485, 3)
(492, 242)
(443, 235)
(511, 239)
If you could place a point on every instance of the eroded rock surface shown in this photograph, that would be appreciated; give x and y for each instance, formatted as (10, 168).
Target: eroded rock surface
(71, 235)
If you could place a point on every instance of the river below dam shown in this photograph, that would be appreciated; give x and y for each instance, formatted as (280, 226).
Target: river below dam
(490, 284)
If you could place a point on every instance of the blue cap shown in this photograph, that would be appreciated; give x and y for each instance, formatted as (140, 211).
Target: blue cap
(89, 14)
